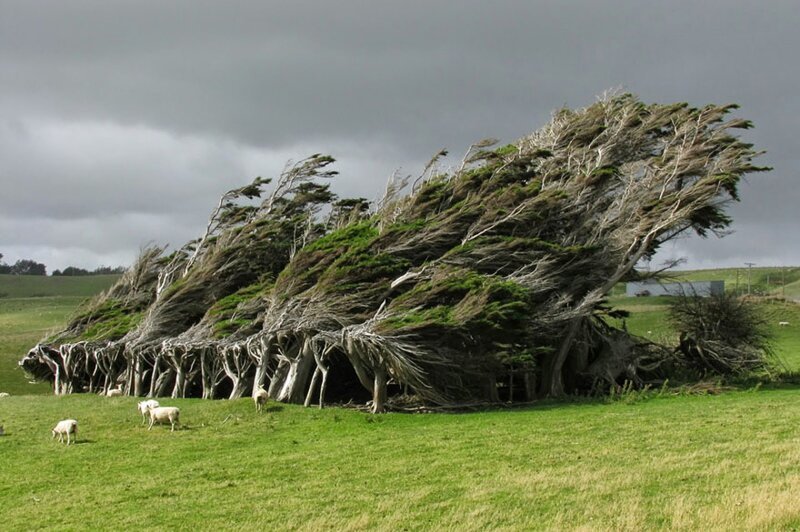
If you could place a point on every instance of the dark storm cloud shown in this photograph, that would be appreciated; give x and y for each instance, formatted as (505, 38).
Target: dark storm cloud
(151, 109)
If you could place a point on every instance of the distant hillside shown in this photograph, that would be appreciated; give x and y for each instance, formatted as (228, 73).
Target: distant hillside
(23, 286)
(767, 280)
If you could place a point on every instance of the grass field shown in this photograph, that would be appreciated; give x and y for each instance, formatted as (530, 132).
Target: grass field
(692, 462)
(769, 280)
(649, 319)
(30, 307)
(16, 286)
(678, 461)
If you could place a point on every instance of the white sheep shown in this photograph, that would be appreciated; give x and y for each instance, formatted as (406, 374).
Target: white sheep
(161, 414)
(4, 394)
(260, 397)
(783, 324)
(68, 427)
(114, 392)
(145, 406)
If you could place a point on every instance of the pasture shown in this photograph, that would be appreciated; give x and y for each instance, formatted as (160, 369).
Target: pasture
(657, 460)
(30, 308)
(730, 461)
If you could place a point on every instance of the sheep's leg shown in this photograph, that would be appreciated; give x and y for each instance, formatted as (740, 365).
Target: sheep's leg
(150, 427)
(68, 438)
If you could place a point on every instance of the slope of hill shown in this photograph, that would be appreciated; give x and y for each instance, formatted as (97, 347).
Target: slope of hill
(767, 280)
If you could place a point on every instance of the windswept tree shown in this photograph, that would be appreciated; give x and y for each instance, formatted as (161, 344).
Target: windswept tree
(483, 283)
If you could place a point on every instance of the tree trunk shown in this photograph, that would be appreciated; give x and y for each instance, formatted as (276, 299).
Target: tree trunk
(323, 387)
(278, 377)
(163, 382)
(293, 388)
(137, 377)
(57, 381)
(491, 389)
(261, 374)
(238, 387)
(361, 373)
(529, 385)
(180, 379)
(311, 387)
(379, 391)
(552, 379)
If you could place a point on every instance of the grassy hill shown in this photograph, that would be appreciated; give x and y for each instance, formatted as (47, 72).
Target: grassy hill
(768, 280)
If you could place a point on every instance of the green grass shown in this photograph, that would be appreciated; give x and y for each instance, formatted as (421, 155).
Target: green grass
(13, 286)
(768, 280)
(23, 322)
(649, 319)
(710, 462)
(31, 306)
(676, 461)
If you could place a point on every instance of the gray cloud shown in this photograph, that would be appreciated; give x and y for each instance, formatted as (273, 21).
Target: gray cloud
(123, 121)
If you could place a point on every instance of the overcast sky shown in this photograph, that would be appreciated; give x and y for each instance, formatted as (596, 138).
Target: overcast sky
(121, 123)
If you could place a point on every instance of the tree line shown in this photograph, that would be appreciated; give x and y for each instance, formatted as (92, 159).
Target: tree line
(32, 267)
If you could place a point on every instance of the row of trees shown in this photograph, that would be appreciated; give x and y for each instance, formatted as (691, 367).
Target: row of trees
(23, 267)
(481, 283)
(102, 270)
(31, 267)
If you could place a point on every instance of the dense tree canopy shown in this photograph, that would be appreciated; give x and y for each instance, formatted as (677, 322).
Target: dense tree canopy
(483, 282)
(23, 267)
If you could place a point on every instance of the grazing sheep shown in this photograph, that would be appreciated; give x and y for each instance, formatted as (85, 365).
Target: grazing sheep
(116, 392)
(4, 394)
(783, 324)
(145, 406)
(260, 398)
(68, 427)
(161, 414)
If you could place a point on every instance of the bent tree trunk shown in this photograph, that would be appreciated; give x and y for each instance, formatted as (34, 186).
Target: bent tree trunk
(322, 370)
(278, 378)
(294, 385)
(552, 378)
(312, 387)
(379, 391)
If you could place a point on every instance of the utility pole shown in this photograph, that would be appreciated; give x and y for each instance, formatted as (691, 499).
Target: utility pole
(783, 282)
(749, 269)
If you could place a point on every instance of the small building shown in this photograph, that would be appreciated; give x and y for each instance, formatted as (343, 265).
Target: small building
(700, 288)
